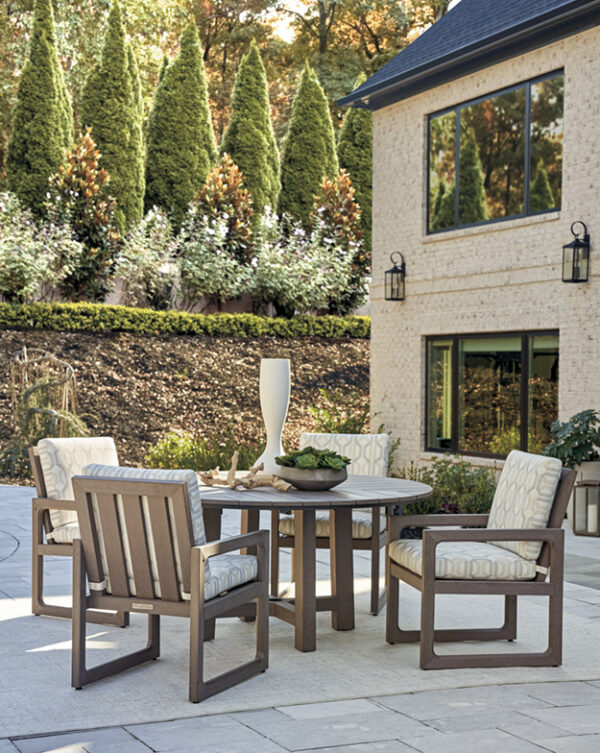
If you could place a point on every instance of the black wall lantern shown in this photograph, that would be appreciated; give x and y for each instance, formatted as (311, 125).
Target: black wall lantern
(394, 279)
(576, 256)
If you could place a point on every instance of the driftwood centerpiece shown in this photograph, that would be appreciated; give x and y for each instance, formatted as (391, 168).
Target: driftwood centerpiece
(252, 480)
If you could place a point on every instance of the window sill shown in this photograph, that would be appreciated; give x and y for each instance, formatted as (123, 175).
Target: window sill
(467, 232)
(474, 460)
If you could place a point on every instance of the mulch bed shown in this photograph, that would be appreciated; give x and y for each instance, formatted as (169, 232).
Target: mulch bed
(138, 387)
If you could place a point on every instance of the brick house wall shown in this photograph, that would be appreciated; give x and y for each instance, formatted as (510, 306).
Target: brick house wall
(504, 276)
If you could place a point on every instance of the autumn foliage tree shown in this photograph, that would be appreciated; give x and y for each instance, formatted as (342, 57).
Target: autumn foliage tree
(225, 197)
(79, 197)
(337, 212)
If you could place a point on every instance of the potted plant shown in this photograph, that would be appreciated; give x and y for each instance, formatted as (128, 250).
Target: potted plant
(312, 469)
(576, 443)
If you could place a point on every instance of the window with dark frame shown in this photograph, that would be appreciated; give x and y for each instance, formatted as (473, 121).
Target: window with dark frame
(490, 394)
(497, 157)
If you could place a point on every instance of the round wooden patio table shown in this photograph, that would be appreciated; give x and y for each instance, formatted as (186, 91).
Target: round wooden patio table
(357, 491)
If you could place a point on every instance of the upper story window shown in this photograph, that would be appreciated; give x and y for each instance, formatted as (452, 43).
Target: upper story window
(497, 157)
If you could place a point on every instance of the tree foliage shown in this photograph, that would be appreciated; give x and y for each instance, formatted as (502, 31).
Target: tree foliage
(540, 197)
(42, 126)
(79, 197)
(181, 145)
(308, 151)
(355, 155)
(110, 109)
(224, 196)
(249, 138)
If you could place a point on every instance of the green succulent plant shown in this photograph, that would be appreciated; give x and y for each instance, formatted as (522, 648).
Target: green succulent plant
(310, 459)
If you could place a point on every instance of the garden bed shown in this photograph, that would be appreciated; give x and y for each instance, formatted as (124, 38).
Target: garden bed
(137, 387)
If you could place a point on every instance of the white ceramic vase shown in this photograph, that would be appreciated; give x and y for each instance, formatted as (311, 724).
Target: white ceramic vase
(274, 401)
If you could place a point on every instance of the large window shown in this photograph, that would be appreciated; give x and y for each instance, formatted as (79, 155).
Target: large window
(490, 394)
(497, 157)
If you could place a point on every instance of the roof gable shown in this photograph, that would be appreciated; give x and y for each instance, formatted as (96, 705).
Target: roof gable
(468, 32)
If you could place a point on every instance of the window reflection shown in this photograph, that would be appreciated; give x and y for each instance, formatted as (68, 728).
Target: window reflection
(494, 143)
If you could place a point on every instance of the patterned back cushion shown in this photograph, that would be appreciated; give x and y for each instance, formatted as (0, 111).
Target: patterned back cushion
(61, 459)
(524, 498)
(369, 452)
(193, 489)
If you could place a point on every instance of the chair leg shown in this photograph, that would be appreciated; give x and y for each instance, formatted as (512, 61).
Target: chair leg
(275, 553)
(427, 627)
(391, 615)
(199, 688)
(80, 674)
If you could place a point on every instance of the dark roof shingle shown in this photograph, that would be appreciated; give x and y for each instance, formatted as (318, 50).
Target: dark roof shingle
(468, 28)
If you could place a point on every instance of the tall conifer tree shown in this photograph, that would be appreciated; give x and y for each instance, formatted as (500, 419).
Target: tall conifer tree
(471, 193)
(110, 109)
(541, 197)
(42, 127)
(181, 142)
(355, 154)
(249, 139)
(308, 151)
(136, 84)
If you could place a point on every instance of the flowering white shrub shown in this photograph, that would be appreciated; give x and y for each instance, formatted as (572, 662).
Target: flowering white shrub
(33, 259)
(145, 263)
(296, 271)
(208, 270)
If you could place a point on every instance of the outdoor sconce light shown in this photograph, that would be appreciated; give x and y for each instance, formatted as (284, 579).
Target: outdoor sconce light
(576, 256)
(394, 279)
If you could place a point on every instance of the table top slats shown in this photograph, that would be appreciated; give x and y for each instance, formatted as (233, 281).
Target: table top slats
(356, 491)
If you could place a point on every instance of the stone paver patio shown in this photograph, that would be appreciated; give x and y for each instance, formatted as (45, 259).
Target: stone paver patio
(460, 711)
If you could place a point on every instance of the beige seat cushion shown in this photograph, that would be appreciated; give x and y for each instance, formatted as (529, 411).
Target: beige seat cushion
(61, 459)
(228, 571)
(524, 498)
(65, 534)
(361, 524)
(369, 453)
(464, 560)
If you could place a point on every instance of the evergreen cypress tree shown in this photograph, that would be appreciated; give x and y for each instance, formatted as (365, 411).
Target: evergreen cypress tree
(471, 194)
(110, 109)
(443, 207)
(163, 68)
(541, 196)
(181, 142)
(355, 154)
(42, 127)
(249, 139)
(308, 151)
(136, 84)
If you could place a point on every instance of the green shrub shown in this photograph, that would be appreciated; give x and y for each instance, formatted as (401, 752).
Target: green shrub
(144, 262)
(457, 487)
(95, 317)
(343, 413)
(202, 453)
(577, 440)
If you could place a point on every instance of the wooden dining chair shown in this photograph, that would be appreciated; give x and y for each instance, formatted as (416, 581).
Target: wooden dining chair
(509, 552)
(54, 523)
(143, 549)
(369, 454)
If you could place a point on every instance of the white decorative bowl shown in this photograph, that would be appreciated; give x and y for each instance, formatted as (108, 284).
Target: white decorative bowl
(318, 480)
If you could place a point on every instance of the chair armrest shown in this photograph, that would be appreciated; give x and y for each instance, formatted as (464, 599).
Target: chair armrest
(551, 535)
(232, 544)
(42, 503)
(397, 522)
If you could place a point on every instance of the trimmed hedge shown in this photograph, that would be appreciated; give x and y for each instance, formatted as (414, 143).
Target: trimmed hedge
(97, 317)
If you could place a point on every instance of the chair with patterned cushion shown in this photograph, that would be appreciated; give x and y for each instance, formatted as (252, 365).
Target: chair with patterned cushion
(53, 463)
(369, 454)
(510, 554)
(143, 549)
